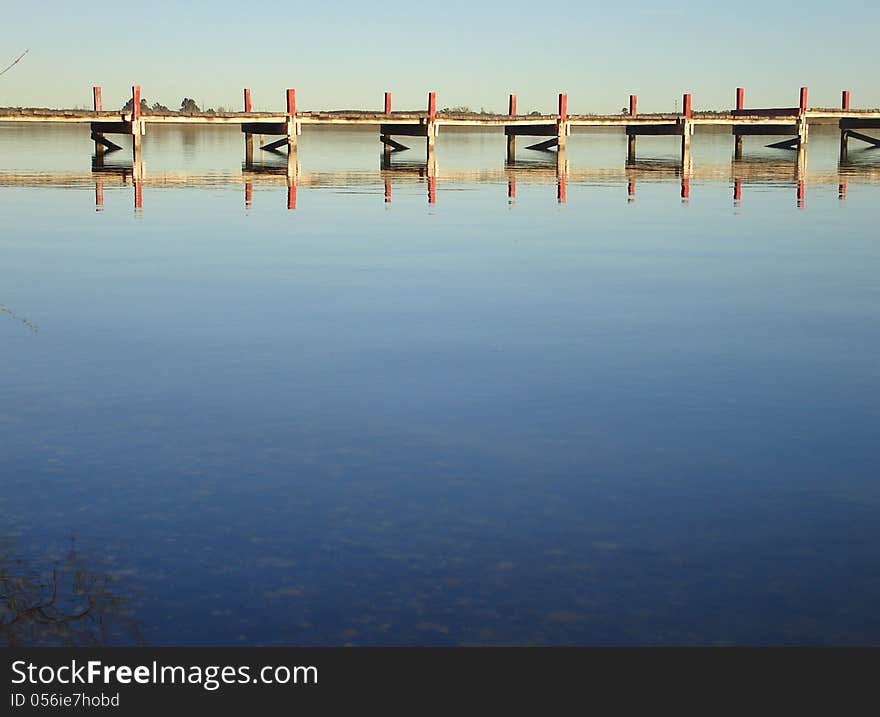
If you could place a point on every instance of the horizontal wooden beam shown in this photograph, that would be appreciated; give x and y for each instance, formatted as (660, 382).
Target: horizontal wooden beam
(654, 129)
(849, 123)
(264, 127)
(764, 129)
(767, 112)
(408, 130)
(112, 127)
(538, 130)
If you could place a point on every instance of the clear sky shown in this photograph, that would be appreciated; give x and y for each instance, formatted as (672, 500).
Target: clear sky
(343, 54)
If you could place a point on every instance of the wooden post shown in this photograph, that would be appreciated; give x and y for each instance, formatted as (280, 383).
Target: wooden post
(686, 105)
(432, 118)
(844, 100)
(844, 134)
(136, 121)
(633, 105)
(387, 103)
(511, 139)
(687, 129)
(96, 103)
(631, 149)
(291, 123)
(803, 100)
(562, 122)
(737, 138)
(248, 137)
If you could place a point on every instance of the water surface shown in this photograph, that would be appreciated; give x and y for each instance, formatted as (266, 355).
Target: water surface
(435, 404)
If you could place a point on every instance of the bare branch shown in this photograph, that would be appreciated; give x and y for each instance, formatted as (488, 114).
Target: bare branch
(14, 62)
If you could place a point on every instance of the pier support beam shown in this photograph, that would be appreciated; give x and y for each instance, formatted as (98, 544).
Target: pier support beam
(511, 138)
(292, 128)
(248, 136)
(432, 124)
(97, 136)
(737, 138)
(562, 125)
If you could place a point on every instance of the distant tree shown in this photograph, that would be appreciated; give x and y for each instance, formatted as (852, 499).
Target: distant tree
(534, 113)
(145, 108)
(160, 108)
(189, 106)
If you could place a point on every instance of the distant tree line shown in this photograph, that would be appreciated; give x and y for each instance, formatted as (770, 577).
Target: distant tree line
(188, 106)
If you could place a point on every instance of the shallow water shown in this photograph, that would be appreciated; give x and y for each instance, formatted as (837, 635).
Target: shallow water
(415, 410)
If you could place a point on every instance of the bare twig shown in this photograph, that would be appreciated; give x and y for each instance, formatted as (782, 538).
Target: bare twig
(14, 62)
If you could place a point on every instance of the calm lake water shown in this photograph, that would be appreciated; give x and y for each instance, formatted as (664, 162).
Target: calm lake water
(622, 418)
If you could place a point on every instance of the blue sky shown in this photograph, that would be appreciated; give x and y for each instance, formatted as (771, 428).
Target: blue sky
(345, 54)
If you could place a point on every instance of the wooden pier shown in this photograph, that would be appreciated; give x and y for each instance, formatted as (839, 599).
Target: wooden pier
(394, 127)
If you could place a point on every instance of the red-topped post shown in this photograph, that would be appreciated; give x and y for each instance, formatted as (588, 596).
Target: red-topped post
(844, 100)
(432, 118)
(511, 138)
(686, 109)
(136, 121)
(633, 105)
(740, 98)
(803, 100)
(562, 123)
(291, 121)
(387, 103)
(248, 137)
(511, 105)
(136, 103)
(96, 103)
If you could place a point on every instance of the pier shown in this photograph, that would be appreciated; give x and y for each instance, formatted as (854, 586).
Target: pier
(273, 131)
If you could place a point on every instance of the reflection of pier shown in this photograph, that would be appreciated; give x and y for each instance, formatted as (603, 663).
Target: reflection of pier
(277, 169)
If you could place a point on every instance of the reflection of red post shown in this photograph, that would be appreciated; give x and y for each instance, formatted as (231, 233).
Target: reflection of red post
(247, 100)
(248, 194)
(291, 195)
(511, 105)
(686, 105)
(800, 193)
(136, 103)
(740, 98)
(844, 100)
(387, 103)
(387, 191)
(138, 195)
(96, 98)
(511, 187)
(560, 189)
(99, 196)
(737, 190)
(432, 106)
(633, 105)
(432, 188)
(685, 187)
(841, 191)
(563, 106)
(803, 100)
(631, 189)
